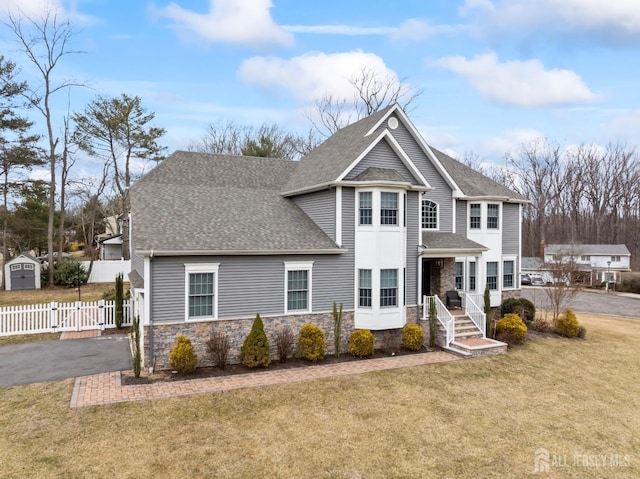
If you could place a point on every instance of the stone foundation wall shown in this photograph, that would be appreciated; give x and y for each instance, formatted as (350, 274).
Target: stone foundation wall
(164, 335)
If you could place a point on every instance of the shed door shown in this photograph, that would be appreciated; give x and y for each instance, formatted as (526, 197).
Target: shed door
(23, 276)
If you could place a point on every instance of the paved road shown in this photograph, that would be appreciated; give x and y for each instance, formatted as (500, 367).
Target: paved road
(54, 360)
(620, 304)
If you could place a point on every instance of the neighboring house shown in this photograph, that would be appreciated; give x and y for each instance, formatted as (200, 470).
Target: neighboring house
(22, 272)
(599, 263)
(110, 249)
(374, 218)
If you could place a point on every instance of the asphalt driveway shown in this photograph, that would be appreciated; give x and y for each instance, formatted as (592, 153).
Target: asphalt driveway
(587, 301)
(53, 360)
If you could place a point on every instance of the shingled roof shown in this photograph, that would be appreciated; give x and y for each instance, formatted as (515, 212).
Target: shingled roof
(197, 203)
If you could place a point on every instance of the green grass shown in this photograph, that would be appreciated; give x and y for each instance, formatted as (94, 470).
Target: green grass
(474, 418)
(28, 338)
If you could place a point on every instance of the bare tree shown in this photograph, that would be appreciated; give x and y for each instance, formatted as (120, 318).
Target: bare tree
(371, 92)
(566, 274)
(45, 41)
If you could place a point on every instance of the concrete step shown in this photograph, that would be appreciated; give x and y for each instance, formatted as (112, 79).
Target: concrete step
(469, 334)
(476, 347)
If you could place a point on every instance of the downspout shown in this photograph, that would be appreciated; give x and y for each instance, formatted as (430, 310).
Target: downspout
(152, 359)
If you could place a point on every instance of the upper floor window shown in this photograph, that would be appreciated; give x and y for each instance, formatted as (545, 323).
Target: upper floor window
(585, 258)
(298, 286)
(388, 287)
(493, 217)
(474, 216)
(364, 288)
(459, 274)
(366, 208)
(201, 290)
(429, 215)
(507, 274)
(492, 275)
(615, 259)
(388, 208)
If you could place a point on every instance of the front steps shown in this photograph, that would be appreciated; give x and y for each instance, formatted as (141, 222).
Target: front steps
(469, 341)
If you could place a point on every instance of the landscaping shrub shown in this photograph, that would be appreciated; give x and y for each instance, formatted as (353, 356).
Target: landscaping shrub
(540, 324)
(521, 306)
(630, 285)
(567, 324)
(361, 343)
(119, 301)
(68, 272)
(255, 349)
(285, 343)
(512, 328)
(183, 357)
(412, 337)
(582, 332)
(337, 328)
(218, 346)
(311, 343)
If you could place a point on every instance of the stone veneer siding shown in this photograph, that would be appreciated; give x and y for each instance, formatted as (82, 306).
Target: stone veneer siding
(164, 335)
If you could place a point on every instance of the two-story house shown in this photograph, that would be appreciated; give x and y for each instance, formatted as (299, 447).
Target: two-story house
(374, 218)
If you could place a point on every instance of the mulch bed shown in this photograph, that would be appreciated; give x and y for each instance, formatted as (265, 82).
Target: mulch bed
(128, 378)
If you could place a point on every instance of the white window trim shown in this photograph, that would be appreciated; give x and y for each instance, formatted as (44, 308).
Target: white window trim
(516, 279)
(469, 228)
(399, 209)
(373, 209)
(298, 266)
(464, 272)
(499, 228)
(190, 268)
(437, 228)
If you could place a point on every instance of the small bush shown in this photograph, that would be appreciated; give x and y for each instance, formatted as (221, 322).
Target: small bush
(511, 327)
(183, 357)
(218, 346)
(361, 343)
(521, 306)
(568, 324)
(69, 272)
(311, 343)
(255, 349)
(582, 332)
(285, 343)
(412, 337)
(540, 324)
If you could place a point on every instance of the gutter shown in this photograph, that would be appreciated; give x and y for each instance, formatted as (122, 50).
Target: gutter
(152, 252)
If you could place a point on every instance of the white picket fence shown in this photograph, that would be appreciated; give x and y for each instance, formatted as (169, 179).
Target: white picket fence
(56, 317)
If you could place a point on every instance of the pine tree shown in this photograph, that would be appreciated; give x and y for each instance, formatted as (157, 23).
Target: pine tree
(255, 349)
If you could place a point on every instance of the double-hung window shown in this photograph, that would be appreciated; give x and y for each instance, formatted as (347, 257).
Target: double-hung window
(388, 287)
(364, 288)
(615, 259)
(201, 290)
(459, 274)
(366, 208)
(474, 216)
(388, 208)
(493, 217)
(429, 215)
(492, 275)
(298, 286)
(507, 274)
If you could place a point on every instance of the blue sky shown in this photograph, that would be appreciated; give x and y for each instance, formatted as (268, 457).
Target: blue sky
(494, 73)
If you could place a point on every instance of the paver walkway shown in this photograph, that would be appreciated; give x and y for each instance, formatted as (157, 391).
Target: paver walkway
(102, 389)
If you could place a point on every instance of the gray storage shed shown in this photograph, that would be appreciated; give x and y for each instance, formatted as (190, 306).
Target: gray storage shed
(22, 272)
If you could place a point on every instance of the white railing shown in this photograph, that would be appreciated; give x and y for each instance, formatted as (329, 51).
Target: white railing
(473, 310)
(444, 317)
(55, 317)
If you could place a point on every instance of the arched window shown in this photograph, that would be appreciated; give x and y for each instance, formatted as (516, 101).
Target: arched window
(429, 215)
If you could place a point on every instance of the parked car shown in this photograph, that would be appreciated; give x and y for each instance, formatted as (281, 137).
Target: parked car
(537, 281)
(525, 279)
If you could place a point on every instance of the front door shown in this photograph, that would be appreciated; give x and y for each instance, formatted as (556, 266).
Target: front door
(426, 277)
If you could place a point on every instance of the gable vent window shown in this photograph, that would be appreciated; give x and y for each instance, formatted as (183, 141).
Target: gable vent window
(388, 208)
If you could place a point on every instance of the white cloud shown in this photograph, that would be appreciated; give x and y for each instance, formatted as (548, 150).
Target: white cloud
(496, 147)
(339, 29)
(242, 22)
(613, 21)
(30, 8)
(415, 29)
(313, 75)
(624, 127)
(519, 83)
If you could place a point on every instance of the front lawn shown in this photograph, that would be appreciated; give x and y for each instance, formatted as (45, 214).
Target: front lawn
(475, 418)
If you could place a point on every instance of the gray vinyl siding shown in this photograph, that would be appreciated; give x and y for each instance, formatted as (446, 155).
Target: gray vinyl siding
(510, 228)
(137, 264)
(382, 156)
(251, 284)
(461, 217)
(321, 208)
(413, 241)
(441, 192)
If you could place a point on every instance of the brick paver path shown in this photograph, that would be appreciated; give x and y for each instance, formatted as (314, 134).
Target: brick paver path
(90, 333)
(101, 389)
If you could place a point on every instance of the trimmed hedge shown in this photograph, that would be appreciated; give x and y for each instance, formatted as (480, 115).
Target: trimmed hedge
(361, 343)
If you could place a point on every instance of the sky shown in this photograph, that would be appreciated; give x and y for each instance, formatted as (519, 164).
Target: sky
(493, 73)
